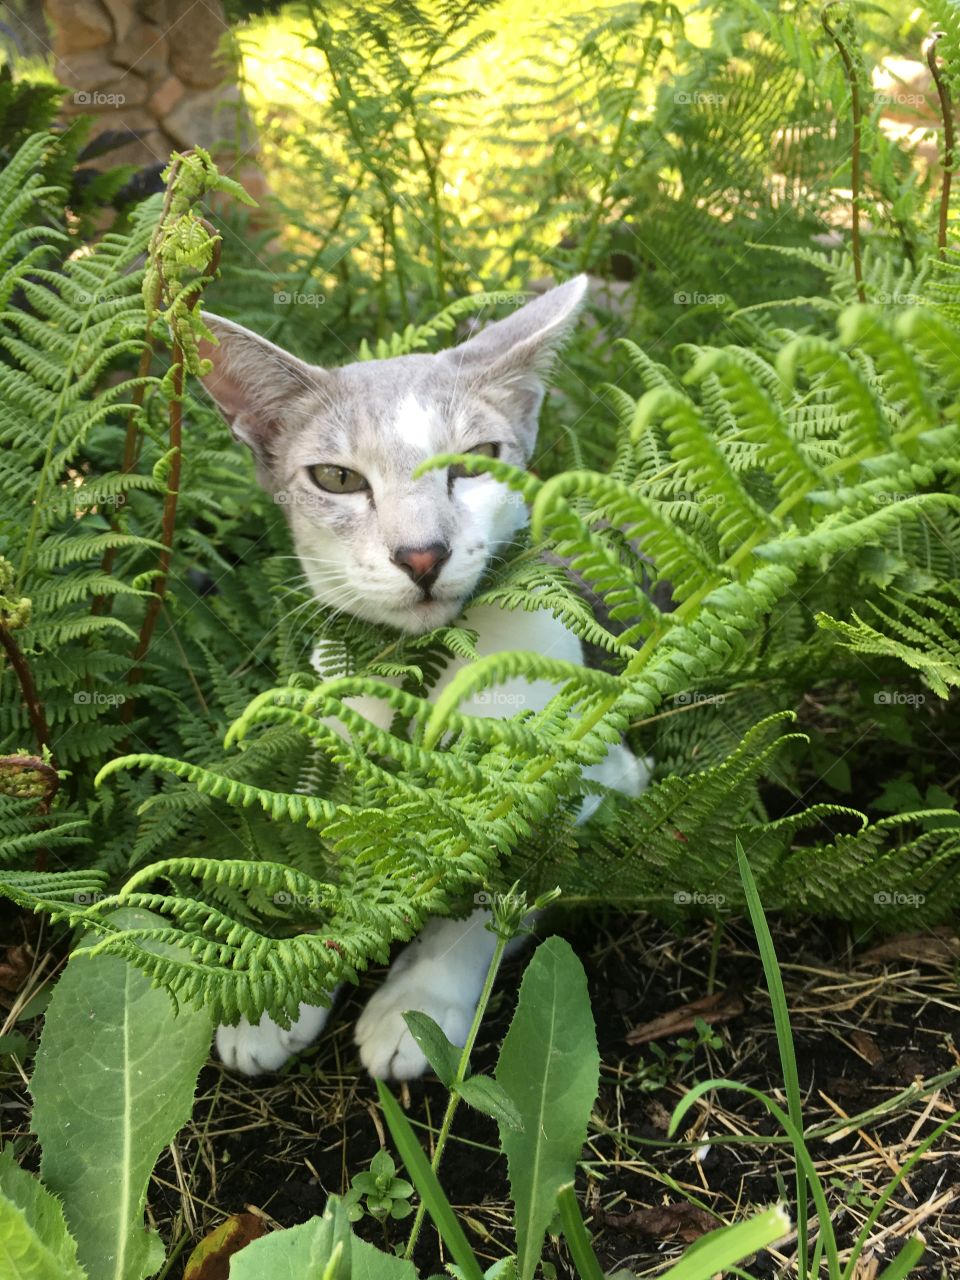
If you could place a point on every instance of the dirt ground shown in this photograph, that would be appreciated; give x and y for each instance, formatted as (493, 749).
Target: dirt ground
(877, 1027)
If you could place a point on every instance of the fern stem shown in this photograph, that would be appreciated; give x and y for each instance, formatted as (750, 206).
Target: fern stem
(171, 498)
(104, 603)
(28, 689)
(855, 150)
(946, 110)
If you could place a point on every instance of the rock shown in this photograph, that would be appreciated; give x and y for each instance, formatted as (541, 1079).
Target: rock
(166, 97)
(92, 70)
(194, 32)
(79, 24)
(144, 49)
(101, 86)
(208, 118)
(146, 145)
(123, 13)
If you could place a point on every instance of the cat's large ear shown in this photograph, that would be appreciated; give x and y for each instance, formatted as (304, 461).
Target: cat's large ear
(511, 359)
(253, 382)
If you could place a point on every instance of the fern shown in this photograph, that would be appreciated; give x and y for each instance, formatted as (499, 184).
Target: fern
(738, 507)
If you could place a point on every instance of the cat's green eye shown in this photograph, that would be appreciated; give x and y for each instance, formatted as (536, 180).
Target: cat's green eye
(333, 479)
(484, 450)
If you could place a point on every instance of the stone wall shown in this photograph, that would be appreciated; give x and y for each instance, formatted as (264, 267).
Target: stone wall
(152, 69)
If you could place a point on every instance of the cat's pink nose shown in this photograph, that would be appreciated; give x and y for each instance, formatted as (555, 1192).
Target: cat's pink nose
(422, 564)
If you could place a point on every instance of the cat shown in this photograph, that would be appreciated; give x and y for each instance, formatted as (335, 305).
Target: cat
(337, 447)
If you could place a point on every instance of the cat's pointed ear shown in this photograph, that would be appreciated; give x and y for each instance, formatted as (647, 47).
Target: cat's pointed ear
(253, 382)
(511, 358)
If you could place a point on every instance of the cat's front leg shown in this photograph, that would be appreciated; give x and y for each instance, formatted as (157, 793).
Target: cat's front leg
(253, 1048)
(441, 974)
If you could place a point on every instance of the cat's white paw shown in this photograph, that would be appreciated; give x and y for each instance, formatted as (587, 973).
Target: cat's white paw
(387, 1049)
(252, 1049)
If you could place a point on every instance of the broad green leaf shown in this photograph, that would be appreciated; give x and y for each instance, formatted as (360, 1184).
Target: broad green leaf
(322, 1249)
(443, 1057)
(315, 1249)
(492, 1099)
(550, 1068)
(34, 1241)
(114, 1081)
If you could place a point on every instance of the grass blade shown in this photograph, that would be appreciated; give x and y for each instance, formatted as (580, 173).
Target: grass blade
(425, 1180)
(722, 1248)
(575, 1234)
(788, 1056)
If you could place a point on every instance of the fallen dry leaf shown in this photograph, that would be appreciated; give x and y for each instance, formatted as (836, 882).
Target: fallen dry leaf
(686, 1221)
(210, 1260)
(938, 946)
(15, 967)
(720, 1007)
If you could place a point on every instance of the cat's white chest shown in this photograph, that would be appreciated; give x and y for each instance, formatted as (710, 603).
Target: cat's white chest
(497, 629)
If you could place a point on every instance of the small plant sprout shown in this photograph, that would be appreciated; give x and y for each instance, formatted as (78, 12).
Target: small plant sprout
(379, 1192)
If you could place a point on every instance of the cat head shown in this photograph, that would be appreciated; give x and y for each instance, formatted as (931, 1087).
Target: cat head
(338, 448)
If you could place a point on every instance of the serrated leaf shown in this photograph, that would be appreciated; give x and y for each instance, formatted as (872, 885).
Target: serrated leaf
(443, 1056)
(492, 1099)
(114, 1082)
(34, 1241)
(550, 1067)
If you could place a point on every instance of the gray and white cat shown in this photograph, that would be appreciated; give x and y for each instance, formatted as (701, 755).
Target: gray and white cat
(337, 447)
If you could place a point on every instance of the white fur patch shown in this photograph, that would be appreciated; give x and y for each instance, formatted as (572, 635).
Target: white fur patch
(414, 424)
